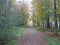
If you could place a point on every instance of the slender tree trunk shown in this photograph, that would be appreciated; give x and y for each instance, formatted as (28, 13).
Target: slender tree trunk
(55, 8)
(59, 23)
(48, 23)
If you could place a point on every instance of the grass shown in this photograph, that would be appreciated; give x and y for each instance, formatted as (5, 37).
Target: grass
(40, 29)
(23, 26)
(45, 29)
(52, 41)
(13, 33)
(18, 31)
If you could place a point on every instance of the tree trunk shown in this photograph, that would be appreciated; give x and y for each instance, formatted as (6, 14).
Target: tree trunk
(48, 24)
(55, 8)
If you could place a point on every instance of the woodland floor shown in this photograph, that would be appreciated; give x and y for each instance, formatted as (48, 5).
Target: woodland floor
(32, 37)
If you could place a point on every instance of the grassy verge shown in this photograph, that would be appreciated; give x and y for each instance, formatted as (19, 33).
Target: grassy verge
(52, 41)
(12, 34)
(40, 29)
(45, 29)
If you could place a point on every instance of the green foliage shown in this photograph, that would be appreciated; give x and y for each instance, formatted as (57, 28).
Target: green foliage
(40, 29)
(52, 41)
(13, 33)
(48, 10)
(9, 16)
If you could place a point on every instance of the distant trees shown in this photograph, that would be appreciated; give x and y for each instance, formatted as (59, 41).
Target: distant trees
(46, 12)
(22, 11)
(58, 13)
(38, 5)
(12, 14)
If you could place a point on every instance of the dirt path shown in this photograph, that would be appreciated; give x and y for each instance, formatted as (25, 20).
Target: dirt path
(33, 37)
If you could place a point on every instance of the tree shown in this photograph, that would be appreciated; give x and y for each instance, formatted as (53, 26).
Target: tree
(55, 14)
(38, 5)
